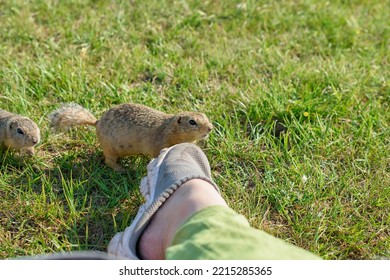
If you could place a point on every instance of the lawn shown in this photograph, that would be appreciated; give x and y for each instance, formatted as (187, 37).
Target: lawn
(297, 90)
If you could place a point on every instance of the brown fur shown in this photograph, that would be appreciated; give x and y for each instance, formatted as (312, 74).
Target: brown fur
(132, 129)
(18, 132)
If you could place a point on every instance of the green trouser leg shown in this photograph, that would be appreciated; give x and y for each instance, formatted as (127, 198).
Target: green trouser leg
(219, 233)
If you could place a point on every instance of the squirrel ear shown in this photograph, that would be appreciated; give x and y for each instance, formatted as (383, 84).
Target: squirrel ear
(12, 125)
(179, 120)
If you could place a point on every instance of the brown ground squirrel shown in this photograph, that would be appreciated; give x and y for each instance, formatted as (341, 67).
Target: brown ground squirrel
(132, 129)
(18, 132)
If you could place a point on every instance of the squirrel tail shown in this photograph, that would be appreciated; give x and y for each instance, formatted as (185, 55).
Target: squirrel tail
(71, 114)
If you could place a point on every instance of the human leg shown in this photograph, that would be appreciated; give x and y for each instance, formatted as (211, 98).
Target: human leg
(188, 219)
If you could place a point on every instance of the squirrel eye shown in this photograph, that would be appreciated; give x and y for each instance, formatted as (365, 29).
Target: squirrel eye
(192, 122)
(20, 131)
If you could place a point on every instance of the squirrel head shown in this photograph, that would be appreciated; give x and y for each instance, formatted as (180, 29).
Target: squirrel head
(193, 126)
(22, 133)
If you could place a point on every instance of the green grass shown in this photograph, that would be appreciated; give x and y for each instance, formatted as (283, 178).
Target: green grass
(318, 70)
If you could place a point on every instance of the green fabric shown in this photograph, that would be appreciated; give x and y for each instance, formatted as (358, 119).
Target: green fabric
(219, 233)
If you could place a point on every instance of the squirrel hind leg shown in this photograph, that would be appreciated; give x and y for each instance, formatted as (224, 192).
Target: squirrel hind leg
(111, 159)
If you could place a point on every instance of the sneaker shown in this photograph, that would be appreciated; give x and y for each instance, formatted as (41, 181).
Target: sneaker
(165, 174)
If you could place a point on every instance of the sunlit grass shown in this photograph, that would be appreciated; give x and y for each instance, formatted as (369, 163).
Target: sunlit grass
(297, 91)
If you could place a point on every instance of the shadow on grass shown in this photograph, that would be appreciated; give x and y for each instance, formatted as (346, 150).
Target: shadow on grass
(73, 203)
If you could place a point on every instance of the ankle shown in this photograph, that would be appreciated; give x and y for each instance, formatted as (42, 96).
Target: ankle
(196, 195)
(188, 199)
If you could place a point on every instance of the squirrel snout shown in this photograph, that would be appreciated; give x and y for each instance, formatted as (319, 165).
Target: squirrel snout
(35, 141)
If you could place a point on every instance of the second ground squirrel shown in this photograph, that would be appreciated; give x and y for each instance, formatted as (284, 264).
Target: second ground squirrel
(132, 129)
(18, 132)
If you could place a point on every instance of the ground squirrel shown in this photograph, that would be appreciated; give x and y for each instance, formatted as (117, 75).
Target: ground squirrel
(132, 129)
(18, 132)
